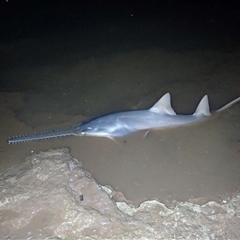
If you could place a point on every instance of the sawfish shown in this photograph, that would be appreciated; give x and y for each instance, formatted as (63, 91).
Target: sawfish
(114, 125)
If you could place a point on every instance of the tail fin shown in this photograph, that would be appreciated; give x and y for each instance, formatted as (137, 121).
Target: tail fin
(203, 107)
(229, 104)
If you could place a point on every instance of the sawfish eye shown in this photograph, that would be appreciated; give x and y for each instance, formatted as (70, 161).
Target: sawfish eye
(84, 131)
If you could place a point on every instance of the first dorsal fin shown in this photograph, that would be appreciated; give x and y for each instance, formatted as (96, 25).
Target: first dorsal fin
(163, 105)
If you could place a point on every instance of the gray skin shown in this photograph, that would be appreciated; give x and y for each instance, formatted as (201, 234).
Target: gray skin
(113, 125)
(160, 115)
(122, 124)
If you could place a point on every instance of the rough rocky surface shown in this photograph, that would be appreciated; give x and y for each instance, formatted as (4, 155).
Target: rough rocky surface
(49, 196)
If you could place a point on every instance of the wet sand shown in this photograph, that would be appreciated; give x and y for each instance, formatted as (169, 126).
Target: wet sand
(61, 88)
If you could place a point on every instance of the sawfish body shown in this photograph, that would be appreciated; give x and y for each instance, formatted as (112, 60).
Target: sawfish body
(160, 115)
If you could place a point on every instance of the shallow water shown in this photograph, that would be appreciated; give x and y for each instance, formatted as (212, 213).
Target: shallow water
(57, 81)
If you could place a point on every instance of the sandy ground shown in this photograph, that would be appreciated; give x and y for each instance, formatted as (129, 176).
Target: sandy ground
(51, 83)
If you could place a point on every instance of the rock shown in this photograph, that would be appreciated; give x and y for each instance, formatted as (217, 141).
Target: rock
(49, 196)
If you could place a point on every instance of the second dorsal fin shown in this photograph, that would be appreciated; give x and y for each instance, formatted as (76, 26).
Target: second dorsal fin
(163, 105)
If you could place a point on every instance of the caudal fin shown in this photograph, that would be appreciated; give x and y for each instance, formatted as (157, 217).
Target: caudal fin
(229, 104)
(203, 107)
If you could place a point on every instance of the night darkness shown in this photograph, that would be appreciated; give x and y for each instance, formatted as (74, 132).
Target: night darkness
(19, 17)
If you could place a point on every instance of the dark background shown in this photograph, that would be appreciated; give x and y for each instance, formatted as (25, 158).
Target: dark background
(29, 18)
